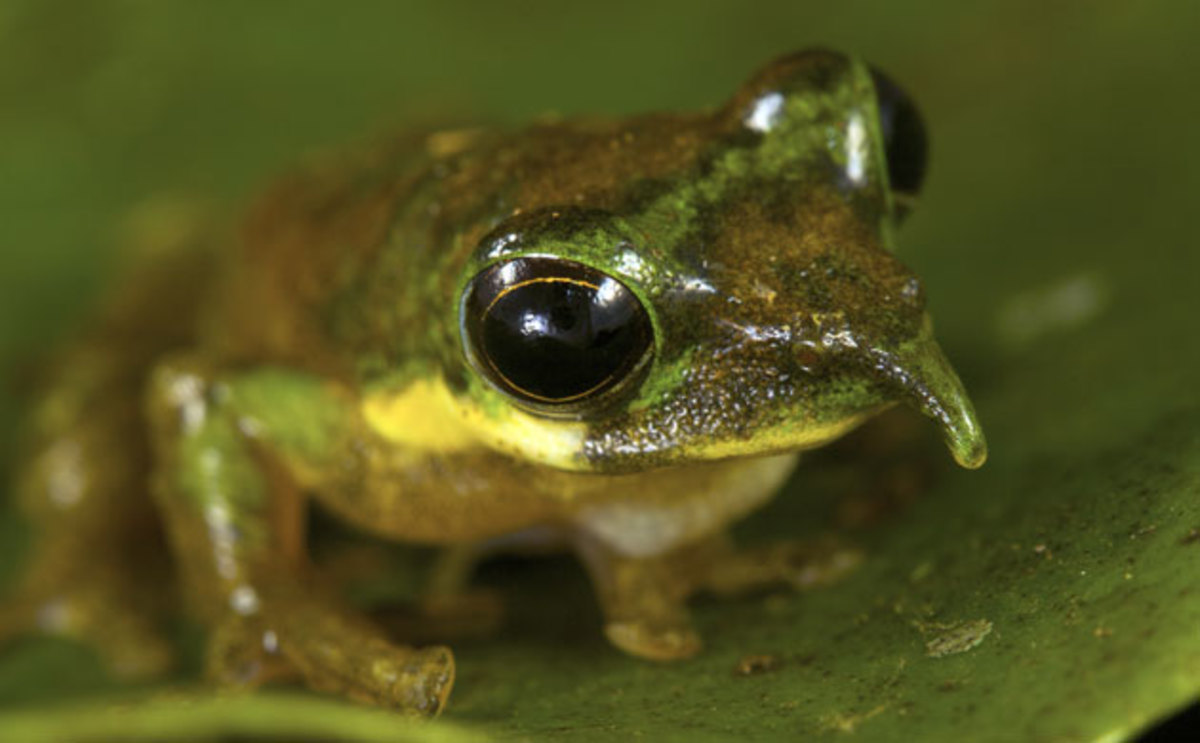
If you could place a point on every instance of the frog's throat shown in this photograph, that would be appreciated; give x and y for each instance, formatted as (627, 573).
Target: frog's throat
(922, 377)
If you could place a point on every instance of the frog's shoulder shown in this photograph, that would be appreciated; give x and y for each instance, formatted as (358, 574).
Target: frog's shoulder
(305, 236)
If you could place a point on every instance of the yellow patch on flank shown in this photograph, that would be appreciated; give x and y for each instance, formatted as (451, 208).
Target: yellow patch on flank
(556, 443)
(425, 416)
(421, 415)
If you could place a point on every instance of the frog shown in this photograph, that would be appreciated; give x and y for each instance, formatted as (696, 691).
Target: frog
(613, 335)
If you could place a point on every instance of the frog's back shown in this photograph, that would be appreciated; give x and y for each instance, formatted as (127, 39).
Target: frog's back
(298, 247)
(352, 259)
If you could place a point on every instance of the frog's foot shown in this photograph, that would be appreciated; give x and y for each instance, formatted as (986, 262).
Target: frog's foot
(332, 652)
(643, 599)
(802, 565)
(643, 606)
(108, 614)
(654, 638)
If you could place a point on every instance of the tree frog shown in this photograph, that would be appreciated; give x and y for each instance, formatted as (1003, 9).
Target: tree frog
(614, 335)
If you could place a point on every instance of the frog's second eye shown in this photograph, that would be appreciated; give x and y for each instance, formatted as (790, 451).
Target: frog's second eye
(904, 140)
(554, 333)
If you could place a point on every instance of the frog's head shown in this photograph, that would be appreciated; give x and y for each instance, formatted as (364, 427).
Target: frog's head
(748, 303)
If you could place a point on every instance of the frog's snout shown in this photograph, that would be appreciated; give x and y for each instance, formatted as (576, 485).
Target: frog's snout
(925, 380)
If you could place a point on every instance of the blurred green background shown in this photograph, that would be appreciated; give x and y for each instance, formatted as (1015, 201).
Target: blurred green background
(1052, 234)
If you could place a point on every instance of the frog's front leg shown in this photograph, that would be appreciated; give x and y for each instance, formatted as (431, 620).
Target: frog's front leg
(231, 452)
(643, 599)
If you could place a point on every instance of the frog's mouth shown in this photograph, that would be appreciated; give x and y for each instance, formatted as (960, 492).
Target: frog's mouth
(922, 377)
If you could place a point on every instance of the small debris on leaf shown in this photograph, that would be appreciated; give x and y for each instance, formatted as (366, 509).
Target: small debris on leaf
(955, 637)
(754, 665)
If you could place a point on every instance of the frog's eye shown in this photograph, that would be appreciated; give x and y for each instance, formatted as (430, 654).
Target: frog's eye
(904, 141)
(552, 333)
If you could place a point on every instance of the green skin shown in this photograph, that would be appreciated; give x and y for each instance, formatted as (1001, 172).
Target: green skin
(328, 360)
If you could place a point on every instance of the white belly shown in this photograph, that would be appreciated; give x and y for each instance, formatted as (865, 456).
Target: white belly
(647, 521)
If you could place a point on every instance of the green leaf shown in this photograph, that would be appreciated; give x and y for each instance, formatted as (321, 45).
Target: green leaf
(203, 715)
(1049, 596)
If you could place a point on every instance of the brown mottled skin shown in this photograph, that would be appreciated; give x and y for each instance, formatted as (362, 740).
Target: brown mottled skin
(324, 357)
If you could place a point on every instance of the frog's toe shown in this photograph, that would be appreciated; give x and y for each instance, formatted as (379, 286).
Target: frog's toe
(419, 680)
(653, 641)
(415, 681)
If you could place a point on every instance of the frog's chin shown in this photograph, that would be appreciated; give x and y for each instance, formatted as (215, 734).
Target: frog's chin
(788, 437)
(783, 439)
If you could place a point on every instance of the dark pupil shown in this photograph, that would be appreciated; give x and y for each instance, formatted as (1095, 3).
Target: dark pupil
(554, 339)
(903, 135)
